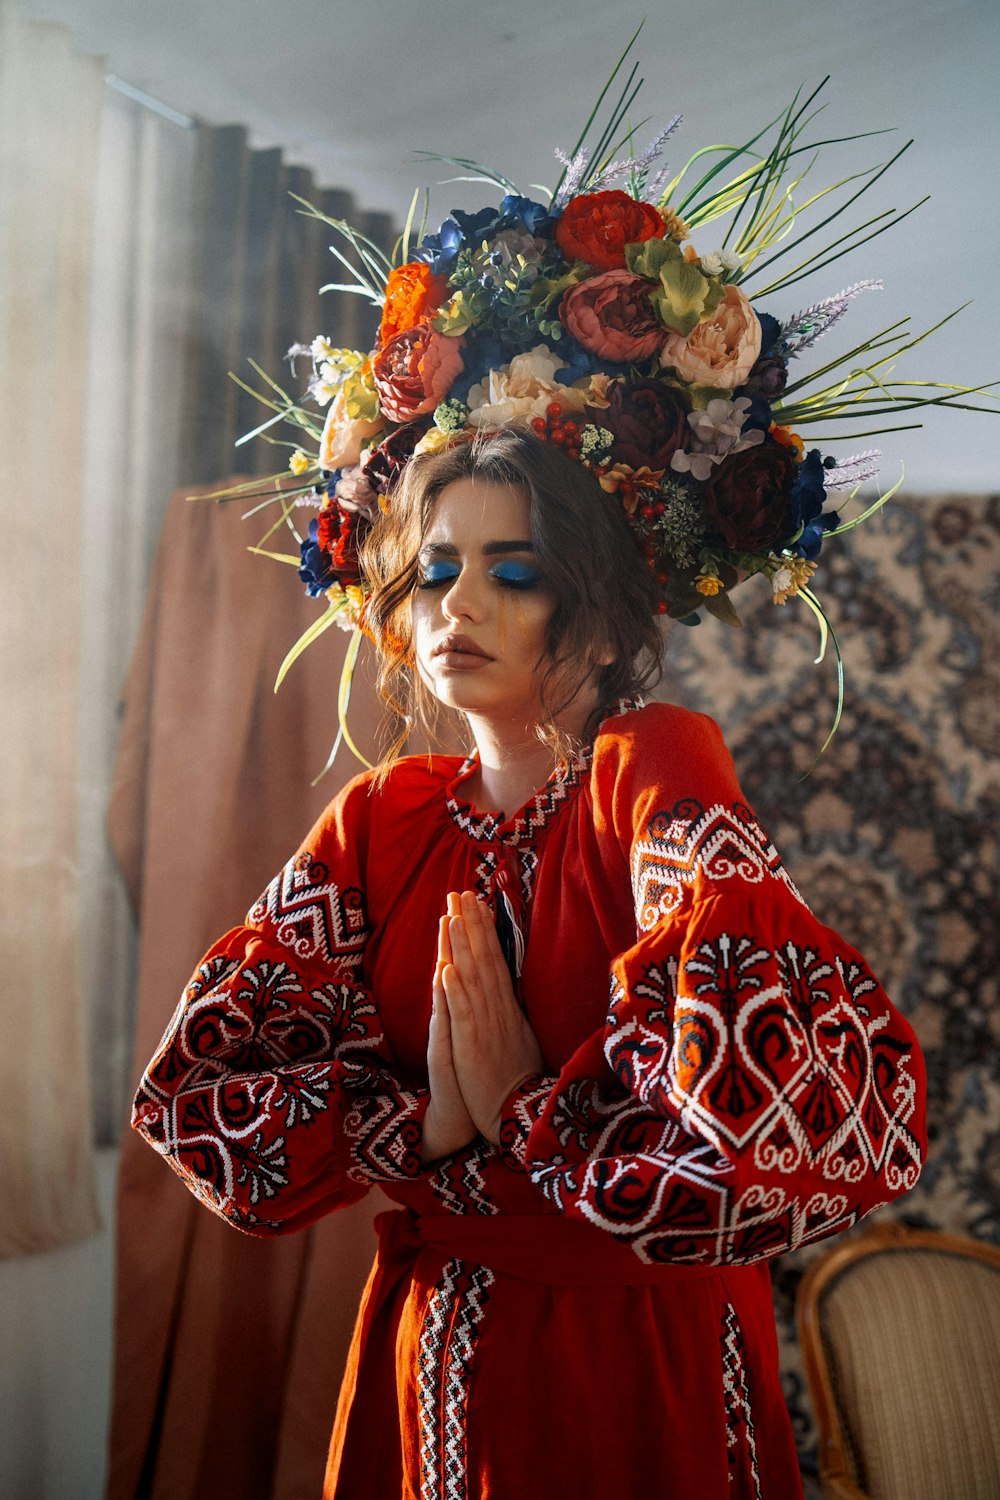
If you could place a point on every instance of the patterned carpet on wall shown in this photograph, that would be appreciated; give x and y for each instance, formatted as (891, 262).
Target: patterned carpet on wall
(893, 837)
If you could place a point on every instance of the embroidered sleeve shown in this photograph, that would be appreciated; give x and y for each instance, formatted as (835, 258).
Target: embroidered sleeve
(272, 1093)
(753, 1089)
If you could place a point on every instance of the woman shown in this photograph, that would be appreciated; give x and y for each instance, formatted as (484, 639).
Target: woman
(563, 1004)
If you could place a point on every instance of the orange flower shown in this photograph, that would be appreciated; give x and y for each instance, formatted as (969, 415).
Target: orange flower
(627, 483)
(788, 439)
(412, 294)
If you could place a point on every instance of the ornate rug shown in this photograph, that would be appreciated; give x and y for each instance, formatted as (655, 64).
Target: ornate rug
(893, 836)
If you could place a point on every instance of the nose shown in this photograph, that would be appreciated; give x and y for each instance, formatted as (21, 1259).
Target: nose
(463, 600)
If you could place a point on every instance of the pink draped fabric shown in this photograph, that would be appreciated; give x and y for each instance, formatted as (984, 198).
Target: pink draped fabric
(228, 1350)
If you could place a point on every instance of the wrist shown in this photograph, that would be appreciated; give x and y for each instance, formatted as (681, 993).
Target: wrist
(441, 1138)
(522, 1107)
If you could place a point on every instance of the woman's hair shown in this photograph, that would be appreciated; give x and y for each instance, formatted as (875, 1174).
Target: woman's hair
(606, 595)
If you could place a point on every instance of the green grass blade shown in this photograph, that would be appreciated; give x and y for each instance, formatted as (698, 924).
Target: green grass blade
(305, 640)
(826, 633)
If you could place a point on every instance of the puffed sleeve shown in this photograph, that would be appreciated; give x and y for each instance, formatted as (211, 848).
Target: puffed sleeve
(273, 1093)
(753, 1088)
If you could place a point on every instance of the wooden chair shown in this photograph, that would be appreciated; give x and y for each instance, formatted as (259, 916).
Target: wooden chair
(900, 1336)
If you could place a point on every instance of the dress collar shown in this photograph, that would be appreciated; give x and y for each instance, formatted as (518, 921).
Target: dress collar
(536, 814)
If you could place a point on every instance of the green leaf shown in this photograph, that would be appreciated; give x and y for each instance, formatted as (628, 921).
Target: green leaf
(313, 633)
(722, 607)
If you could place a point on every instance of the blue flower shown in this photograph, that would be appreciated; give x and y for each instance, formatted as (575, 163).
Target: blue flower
(581, 362)
(806, 504)
(315, 569)
(481, 353)
(475, 227)
(534, 217)
(769, 330)
(440, 251)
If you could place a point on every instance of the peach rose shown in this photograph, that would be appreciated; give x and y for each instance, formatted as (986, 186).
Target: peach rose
(415, 371)
(343, 436)
(722, 349)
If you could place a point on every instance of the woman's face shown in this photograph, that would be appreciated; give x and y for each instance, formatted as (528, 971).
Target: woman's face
(481, 604)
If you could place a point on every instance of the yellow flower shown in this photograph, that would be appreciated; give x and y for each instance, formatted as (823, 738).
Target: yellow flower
(676, 227)
(792, 575)
(300, 462)
(433, 441)
(708, 584)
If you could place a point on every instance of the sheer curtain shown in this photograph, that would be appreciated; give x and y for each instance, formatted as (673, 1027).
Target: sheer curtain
(95, 309)
(142, 312)
(50, 106)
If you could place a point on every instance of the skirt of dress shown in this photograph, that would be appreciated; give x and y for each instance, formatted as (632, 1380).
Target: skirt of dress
(529, 1358)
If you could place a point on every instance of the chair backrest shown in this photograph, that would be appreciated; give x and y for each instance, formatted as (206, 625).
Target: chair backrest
(900, 1333)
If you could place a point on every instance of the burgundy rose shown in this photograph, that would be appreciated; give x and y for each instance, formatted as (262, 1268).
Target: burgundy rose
(387, 461)
(768, 378)
(648, 420)
(747, 497)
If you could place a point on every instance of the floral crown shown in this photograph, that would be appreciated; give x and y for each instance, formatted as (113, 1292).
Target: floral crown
(594, 321)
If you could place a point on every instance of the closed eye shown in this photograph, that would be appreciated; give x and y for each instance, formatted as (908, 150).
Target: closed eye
(516, 575)
(435, 574)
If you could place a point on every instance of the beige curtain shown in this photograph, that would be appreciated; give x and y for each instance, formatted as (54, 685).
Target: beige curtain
(50, 103)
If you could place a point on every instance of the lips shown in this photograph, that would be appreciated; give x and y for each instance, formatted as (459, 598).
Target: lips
(459, 645)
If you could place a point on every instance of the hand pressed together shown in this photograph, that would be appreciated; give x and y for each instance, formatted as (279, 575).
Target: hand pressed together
(481, 1046)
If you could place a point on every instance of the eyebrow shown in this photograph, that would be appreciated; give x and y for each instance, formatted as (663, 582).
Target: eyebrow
(490, 549)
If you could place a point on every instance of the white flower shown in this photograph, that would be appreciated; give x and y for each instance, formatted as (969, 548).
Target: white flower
(716, 431)
(717, 261)
(521, 390)
(321, 349)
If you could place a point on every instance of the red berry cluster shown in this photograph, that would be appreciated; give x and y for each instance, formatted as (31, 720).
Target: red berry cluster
(565, 433)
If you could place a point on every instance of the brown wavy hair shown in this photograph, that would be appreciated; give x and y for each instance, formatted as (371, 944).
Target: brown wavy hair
(605, 593)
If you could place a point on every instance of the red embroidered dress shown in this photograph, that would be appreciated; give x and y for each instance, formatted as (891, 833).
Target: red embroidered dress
(585, 1310)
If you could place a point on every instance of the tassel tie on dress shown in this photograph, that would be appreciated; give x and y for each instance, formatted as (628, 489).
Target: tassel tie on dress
(511, 914)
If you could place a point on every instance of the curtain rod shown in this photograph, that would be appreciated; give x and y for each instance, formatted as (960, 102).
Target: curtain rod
(174, 116)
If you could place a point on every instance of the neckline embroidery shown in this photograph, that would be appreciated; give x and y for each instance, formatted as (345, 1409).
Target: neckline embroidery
(536, 814)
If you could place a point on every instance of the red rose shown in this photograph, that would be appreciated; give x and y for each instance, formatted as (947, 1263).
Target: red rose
(415, 371)
(747, 497)
(596, 227)
(648, 420)
(612, 316)
(338, 535)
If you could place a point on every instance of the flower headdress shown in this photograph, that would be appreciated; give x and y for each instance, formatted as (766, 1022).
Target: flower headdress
(671, 372)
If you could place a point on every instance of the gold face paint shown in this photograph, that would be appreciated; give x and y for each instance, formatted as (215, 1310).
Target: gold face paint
(502, 620)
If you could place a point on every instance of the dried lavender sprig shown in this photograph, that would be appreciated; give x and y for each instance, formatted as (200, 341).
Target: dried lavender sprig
(803, 329)
(848, 472)
(575, 168)
(634, 163)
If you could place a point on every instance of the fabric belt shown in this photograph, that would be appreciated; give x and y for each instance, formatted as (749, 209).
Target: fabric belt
(543, 1248)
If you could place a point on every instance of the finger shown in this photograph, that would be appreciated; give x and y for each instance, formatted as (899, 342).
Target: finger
(477, 927)
(444, 943)
(486, 946)
(463, 961)
(456, 996)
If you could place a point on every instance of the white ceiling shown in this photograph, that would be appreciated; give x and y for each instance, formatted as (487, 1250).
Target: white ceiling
(352, 89)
